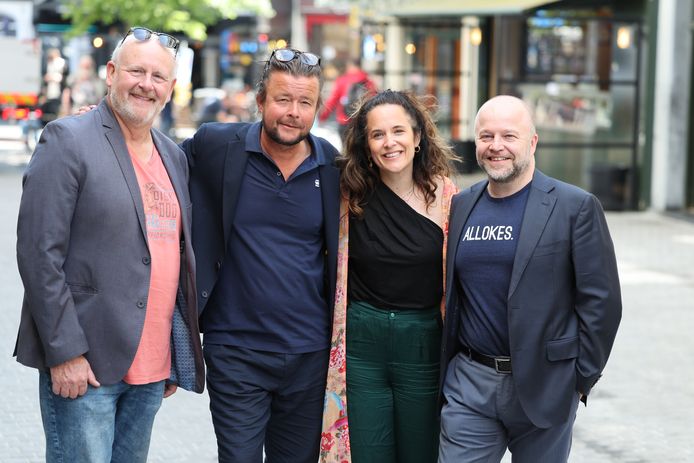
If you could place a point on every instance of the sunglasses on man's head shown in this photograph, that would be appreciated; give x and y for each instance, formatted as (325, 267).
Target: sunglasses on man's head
(285, 55)
(142, 34)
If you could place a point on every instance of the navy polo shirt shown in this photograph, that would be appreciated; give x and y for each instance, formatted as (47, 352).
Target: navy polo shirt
(270, 292)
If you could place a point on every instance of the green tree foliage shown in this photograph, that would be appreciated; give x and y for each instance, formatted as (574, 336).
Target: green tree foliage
(187, 16)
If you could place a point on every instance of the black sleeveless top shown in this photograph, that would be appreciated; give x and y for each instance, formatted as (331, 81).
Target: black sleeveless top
(395, 255)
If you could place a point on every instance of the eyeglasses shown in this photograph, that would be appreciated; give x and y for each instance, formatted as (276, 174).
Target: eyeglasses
(285, 55)
(142, 34)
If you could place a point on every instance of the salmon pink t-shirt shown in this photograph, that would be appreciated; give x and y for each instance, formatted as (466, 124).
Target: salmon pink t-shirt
(163, 223)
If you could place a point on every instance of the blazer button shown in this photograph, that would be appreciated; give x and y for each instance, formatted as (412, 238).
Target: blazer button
(218, 265)
(140, 305)
(146, 260)
(204, 294)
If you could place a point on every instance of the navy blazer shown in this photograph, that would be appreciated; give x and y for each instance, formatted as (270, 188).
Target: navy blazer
(564, 302)
(83, 256)
(217, 156)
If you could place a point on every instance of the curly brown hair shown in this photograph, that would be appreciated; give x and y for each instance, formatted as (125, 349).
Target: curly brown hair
(359, 177)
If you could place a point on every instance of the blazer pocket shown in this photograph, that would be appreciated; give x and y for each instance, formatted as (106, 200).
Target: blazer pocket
(84, 289)
(562, 349)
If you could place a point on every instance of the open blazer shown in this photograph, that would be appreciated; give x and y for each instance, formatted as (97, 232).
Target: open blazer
(83, 256)
(564, 303)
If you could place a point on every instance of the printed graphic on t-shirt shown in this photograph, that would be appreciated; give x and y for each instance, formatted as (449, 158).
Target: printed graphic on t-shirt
(489, 233)
(161, 210)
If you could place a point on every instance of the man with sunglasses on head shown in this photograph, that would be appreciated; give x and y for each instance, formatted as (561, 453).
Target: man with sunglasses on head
(105, 254)
(265, 228)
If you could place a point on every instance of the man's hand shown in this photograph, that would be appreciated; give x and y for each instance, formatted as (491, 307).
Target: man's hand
(169, 389)
(84, 109)
(70, 378)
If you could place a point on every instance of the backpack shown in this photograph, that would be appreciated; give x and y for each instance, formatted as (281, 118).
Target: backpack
(354, 94)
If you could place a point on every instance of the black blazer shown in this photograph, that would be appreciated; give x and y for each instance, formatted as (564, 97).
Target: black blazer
(564, 301)
(217, 157)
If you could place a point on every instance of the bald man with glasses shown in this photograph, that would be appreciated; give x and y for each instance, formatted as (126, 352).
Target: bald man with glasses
(104, 250)
(265, 227)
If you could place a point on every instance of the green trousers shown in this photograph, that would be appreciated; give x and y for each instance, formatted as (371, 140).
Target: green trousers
(392, 384)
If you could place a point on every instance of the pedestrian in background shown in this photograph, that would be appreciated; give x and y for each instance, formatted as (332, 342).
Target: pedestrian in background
(381, 397)
(533, 301)
(347, 90)
(265, 227)
(84, 87)
(104, 251)
(54, 81)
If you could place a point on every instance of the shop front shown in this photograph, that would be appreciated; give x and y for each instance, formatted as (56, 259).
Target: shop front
(579, 71)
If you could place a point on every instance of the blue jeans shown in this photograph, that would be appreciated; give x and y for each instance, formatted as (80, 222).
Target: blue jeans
(107, 424)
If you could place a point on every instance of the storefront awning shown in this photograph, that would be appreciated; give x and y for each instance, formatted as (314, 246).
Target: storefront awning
(466, 7)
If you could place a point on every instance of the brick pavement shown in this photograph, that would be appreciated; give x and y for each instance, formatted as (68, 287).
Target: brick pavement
(640, 411)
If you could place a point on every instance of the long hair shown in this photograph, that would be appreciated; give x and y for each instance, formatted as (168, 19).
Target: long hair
(359, 177)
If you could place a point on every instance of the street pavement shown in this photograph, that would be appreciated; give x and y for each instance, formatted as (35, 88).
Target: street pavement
(639, 412)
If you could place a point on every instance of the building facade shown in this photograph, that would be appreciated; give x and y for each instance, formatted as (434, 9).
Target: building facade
(609, 83)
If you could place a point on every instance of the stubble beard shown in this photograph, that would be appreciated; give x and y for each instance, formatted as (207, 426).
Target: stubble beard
(508, 175)
(274, 135)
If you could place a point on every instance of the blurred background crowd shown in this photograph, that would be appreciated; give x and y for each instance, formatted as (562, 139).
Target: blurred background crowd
(609, 81)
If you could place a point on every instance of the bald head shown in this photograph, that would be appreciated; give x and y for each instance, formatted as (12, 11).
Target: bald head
(505, 142)
(510, 105)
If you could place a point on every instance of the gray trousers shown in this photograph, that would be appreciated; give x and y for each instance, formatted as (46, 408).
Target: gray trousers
(482, 417)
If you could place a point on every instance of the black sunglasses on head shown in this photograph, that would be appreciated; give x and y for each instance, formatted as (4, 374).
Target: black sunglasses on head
(142, 34)
(285, 55)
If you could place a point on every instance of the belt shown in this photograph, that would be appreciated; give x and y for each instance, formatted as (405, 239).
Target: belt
(500, 364)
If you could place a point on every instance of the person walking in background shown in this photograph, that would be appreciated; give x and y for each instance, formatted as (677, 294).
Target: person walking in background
(84, 87)
(53, 84)
(347, 90)
(533, 301)
(396, 196)
(265, 230)
(104, 251)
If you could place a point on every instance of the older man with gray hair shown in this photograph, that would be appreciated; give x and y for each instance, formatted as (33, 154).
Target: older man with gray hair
(104, 251)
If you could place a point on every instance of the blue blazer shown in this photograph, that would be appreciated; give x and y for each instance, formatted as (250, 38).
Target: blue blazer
(564, 302)
(217, 156)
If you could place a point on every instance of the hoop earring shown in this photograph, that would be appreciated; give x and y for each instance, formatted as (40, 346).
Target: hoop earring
(371, 163)
(417, 149)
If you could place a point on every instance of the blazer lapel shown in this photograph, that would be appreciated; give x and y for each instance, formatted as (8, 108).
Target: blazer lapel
(330, 197)
(177, 182)
(234, 168)
(120, 150)
(537, 212)
(464, 202)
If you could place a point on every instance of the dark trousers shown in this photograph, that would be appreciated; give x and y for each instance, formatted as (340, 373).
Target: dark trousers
(392, 384)
(265, 399)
